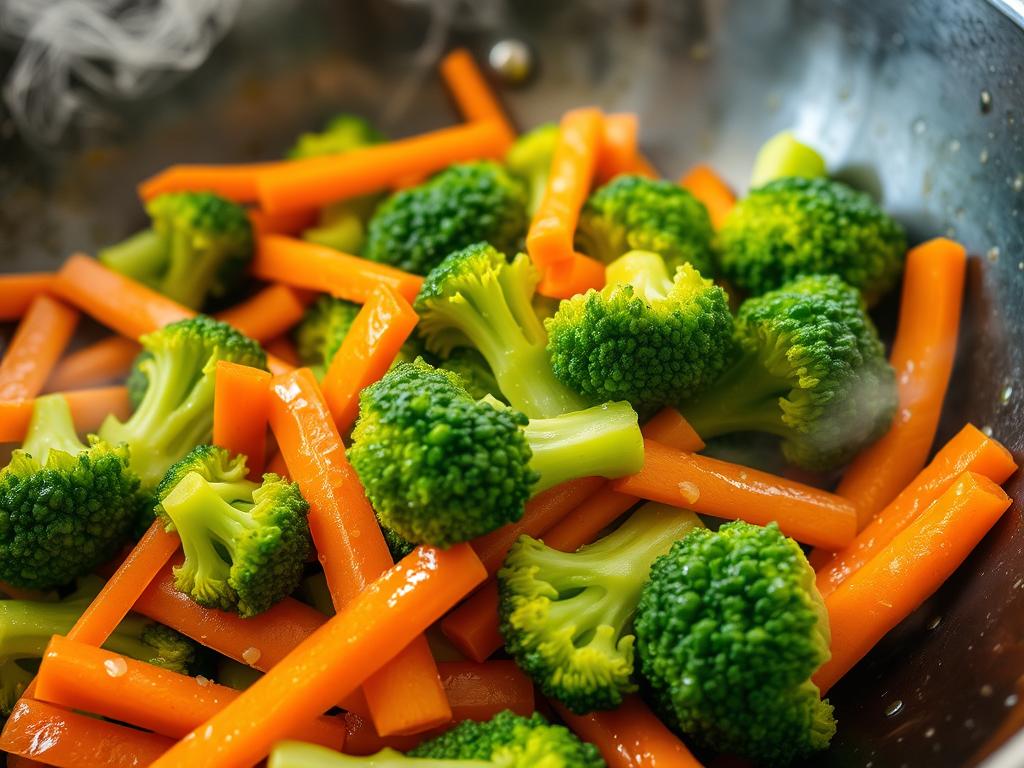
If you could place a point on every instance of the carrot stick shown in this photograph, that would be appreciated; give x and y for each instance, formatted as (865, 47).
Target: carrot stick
(630, 736)
(549, 240)
(618, 151)
(235, 182)
(406, 695)
(288, 223)
(317, 181)
(102, 362)
(367, 351)
(283, 348)
(89, 407)
(922, 355)
(710, 188)
(644, 167)
(722, 489)
(78, 676)
(17, 292)
(267, 313)
(474, 98)
(333, 661)
(319, 268)
(65, 739)
(907, 571)
(37, 344)
(241, 410)
(969, 451)
(578, 275)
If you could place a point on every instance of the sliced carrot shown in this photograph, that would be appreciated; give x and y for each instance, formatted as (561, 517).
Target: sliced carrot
(578, 275)
(81, 676)
(630, 736)
(473, 627)
(17, 292)
(722, 489)
(369, 348)
(267, 313)
(235, 182)
(102, 362)
(712, 190)
(618, 151)
(903, 574)
(288, 223)
(64, 739)
(969, 451)
(283, 349)
(333, 661)
(241, 412)
(474, 98)
(315, 182)
(922, 355)
(319, 268)
(549, 240)
(89, 407)
(406, 695)
(37, 344)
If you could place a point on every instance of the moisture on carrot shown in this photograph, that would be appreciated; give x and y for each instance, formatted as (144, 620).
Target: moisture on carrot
(37, 344)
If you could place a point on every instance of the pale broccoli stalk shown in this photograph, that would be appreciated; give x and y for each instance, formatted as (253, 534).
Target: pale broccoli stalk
(781, 156)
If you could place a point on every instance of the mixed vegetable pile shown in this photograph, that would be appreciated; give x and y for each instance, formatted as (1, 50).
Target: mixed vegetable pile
(521, 367)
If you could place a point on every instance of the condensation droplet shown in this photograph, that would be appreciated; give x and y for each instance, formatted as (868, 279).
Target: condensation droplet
(1018, 182)
(919, 126)
(993, 254)
(1011, 700)
(969, 723)
(1006, 394)
(202, 682)
(985, 101)
(689, 491)
(116, 667)
(1020, 266)
(251, 655)
(934, 622)
(929, 733)
(983, 156)
(986, 690)
(986, 430)
(894, 708)
(954, 145)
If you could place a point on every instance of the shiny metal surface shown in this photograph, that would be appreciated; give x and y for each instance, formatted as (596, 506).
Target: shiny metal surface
(921, 102)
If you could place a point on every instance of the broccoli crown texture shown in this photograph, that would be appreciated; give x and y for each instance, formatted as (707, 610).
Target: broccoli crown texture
(176, 410)
(343, 133)
(811, 370)
(415, 229)
(797, 226)
(198, 245)
(245, 543)
(632, 213)
(475, 298)
(65, 508)
(476, 375)
(646, 337)
(729, 630)
(565, 616)
(529, 160)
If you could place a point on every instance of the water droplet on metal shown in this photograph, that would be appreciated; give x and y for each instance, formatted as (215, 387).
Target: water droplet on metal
(934, 622)
(983, 156)
(894, 708)
(954, 145)
(115, 667)
(251, 655)
(993, 254)
(689, 491)
(512, 60)
(986, 690)
(1018, 183)
(919, 126)
(1006, 394)
(986, 430)
(985, 101)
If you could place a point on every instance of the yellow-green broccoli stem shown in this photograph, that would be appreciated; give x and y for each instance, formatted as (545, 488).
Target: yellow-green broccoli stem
(781, 156)
(297, 754)
(51, 428)
(645, 272)
(139, 257)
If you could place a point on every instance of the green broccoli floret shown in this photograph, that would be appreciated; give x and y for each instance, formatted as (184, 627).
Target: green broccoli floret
(470, 203)
(26, 627)
(783, 156)
(245, 543)
(475, 298)
(176, 411)
(65, 507)
(566, 616)
(729, 630)
(197, 246)
(632, 213)
(646, 337)
(505, 741)
(811, 370)
(440, 467)
(795, 226)
(476, 375)
(529, 160)
(343, 133)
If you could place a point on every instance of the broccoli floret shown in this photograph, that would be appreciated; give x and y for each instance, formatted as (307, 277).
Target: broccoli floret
(26, 627)
(136, 382)
(343, 133)
(476, 375)
(566, 616)
(474, 202)
(65, 507)
(529, 160)
(475, 298)
(245, 543)
(794, 226)
(506, 741)
(198, 245)
(811, 370)
(646, 337)
(729, 630)
(782, 156)
(632, 213)
(440, 467)
(176, 411)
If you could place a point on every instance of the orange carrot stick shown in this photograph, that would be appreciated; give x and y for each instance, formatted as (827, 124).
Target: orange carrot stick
(710, 188)
(267, 313)
(37, 344)
(474, 98)
(645, 168)
(89, 407)
(64, 739)
(618, 151)
(907, 571)
(241, 411)
(78, 676)
(283, 349)
(549, 240)
(969, 451)
(288, 223)
(235, 182)
(102, 362)
(317, 181)
(319, 268)
(17, 292)
(334, 661)
(922, 355)
(723, 489)
(406, 695)
(367, 351)
(630, 736)
(578, 275)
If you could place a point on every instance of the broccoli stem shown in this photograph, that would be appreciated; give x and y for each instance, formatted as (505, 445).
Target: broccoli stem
(190, 276)
(296, 754)
(604, 440)
(646, 272)
(140, 257)
(27, 626)
(51, 428)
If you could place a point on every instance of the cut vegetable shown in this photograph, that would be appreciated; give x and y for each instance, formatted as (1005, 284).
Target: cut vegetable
(17, 292)
(237, 182)
(89, 408)
(708, 187)
(241, 412)
(618, 151)
(473, 96)
(102, 362)
(36, 346)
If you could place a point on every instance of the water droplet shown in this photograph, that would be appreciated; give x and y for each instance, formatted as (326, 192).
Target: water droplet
(511, 59)
(743, 475)
(1018, 182)
(983, 156)
(1020, 266)
(985, 100)
(919, 126)
(934, 622)
(1011, 700)
(1006, 394)
(202, 682)
(954, 145)
(986, 690)
(986, 430)
(115, 667)
(208, 732)
(929, 733)
(969, 723)
(993, 254)
(251, 655)
(894, 708)
(689, 491)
